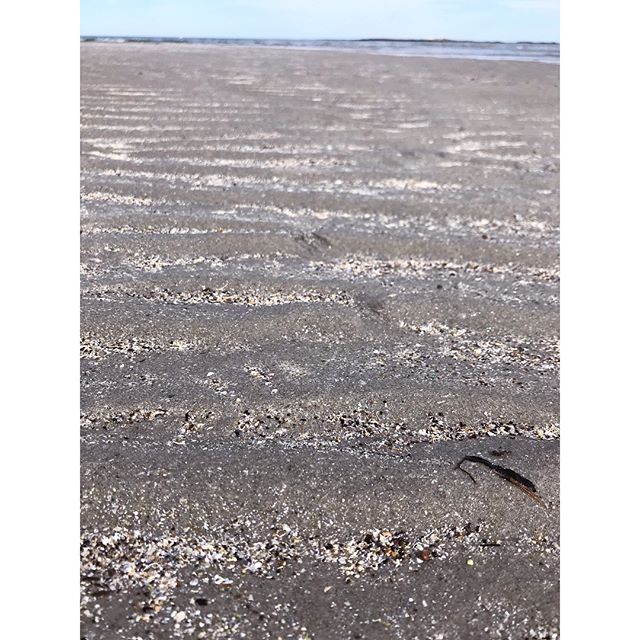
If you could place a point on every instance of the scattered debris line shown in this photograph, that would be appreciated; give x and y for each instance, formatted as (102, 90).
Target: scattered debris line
(510, 475)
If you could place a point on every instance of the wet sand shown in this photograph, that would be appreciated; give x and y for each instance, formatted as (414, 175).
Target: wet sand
(311, 283)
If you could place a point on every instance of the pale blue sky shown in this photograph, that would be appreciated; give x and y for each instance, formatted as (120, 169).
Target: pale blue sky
(456, 19)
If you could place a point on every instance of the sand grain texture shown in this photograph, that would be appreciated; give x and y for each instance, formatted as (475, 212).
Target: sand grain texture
(311, 283)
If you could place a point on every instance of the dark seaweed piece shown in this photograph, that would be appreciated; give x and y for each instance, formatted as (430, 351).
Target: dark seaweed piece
(487, 543)
(524, 484)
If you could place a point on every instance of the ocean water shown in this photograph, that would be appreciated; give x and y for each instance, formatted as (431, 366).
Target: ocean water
(525, 51)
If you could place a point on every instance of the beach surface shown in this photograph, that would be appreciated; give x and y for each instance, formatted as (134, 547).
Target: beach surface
(312, 282)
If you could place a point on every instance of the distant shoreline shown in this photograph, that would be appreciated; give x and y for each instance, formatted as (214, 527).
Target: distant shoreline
(546, 52)
(448, 41)
(91, 38)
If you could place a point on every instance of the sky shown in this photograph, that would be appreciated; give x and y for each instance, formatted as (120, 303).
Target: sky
(506, 20)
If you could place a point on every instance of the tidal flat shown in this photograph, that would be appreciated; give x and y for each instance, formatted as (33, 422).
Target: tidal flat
(312, 282)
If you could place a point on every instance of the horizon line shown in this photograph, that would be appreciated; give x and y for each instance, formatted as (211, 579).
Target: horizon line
(377, 39)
